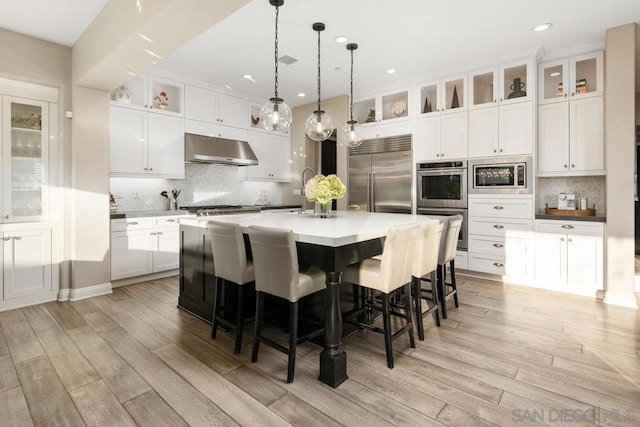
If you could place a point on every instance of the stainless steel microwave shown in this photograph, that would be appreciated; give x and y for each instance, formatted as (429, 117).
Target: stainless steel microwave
(505, 175)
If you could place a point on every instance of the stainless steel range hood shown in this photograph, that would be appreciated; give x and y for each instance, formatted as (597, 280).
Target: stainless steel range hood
(208, 149)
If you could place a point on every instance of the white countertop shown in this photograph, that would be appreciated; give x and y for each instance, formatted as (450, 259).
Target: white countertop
(343, 228)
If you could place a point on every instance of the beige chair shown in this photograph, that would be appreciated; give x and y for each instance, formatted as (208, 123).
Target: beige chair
(231, 265)
(276, 262)
(387, 274)
(448, 247)
(426, 263)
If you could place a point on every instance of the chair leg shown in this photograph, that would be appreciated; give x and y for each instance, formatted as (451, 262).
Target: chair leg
(293, 339)
(441, 290)
(239, 325)
(435, 296)
(453, 282)
(417, 300)
(407, 310)
(216, 306)
(386, 317)
(257, 330)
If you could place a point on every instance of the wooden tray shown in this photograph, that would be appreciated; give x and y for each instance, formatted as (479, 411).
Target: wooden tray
(562, 212)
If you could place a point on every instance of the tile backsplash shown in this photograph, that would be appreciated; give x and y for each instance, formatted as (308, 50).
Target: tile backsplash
(203, 185)
(592, 187)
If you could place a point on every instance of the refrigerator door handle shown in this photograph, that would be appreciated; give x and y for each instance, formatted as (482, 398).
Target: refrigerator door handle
(368, 191)
(372, 193)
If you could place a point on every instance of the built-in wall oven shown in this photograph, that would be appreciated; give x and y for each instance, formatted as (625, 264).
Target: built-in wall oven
(504, 175)
(442, 191)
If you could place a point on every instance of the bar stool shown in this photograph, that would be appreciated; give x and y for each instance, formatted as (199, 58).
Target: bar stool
(426, 263)
(277, 273)
(387, 274)
(231, 265)
(447, 254)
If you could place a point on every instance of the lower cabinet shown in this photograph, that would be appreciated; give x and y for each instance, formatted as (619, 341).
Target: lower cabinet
(144, 246)
(569, 256)
(27, 263)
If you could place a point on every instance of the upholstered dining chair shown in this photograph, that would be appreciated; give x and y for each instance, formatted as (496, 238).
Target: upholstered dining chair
(426, 263)
(447, 255)
(275, 259)
(231, 265)
(387, 273)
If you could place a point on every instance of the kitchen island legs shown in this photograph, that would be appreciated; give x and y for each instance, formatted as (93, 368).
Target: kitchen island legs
(333, 360)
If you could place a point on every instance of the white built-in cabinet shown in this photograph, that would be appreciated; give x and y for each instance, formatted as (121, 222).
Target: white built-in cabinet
(501, 111)
(26, 263)
(141, 246)
(571, 116)
(383, 108)
(569, 256)
(151, 93)
(213, 107)
(274, 154)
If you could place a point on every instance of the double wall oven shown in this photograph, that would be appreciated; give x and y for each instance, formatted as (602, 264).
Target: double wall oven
(442, 190)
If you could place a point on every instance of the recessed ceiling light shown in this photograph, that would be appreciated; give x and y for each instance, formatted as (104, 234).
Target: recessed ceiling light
(145, 38)
(155, 55)
(228, 87)
(341, 39)
(247, 76)
(391, 71)
(543, 27)
(302, 95)
(554, 74)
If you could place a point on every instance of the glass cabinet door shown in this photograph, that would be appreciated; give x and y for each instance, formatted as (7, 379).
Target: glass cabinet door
(25, 159)
(429, 98)
(455, 93)
(483, 88)
(586, 75)
(554, 81)
(515, 82)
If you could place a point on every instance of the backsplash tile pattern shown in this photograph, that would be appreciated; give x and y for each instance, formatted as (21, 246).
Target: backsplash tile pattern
(592, 187)
(203, 185)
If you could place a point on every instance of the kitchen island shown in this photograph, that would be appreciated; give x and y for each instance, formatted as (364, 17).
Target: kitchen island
(330, 243)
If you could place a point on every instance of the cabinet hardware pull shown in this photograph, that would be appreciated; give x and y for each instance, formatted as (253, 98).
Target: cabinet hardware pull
(159, 233)
(6, 238)
(133, 223)
(145, 169)
(500, 99)
(437, 155)
(495, 100)
(442, 155)
(498, 245)
(568, 227)
(573, 94)
(17, 238)
(498, 264)
(498, 226)
(569, 240)
(565, 95)
(565, 166)
(501, 150)
(495, 151)
(573, 165)
(562, 239)
(150, 169)
(171, 220)
(498, 207)
(6, 216)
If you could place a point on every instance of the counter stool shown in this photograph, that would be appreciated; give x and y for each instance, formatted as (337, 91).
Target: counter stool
(277, 273)
(447, 254)
(231, 265)
(386, 274)
(426, 263)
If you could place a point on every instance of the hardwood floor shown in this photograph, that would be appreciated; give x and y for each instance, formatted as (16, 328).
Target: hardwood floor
(507, 356)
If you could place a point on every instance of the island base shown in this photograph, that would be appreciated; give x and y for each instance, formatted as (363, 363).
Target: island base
(333, 369)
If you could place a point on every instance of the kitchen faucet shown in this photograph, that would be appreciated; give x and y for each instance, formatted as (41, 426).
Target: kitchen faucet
(303, 181)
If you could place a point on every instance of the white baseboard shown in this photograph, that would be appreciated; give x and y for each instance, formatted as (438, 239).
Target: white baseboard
(622, 300)
(145, 278)
(82, 293)
(28, 300)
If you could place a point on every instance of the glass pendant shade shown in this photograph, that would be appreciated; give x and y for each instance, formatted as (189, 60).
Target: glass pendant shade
(351, 134)
(319, 126)
(276, 116)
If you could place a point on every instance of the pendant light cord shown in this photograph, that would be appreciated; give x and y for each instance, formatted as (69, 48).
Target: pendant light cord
(319, 114)
(351, 77)
(276, 52)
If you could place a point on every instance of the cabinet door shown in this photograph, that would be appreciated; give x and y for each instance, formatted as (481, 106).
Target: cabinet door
(233, 111)
(586, 134)
(430, 98)
(166, 249)
(587, 77)
(200, 104)
(26, 263)
(454, 134)
(166, 146)
(516, 83)
(280, 158)
(483, 132)
(260, 144)
(427, 139)
(551, 258)
(130, 253)
(516, 129)
(554, 81)
(166, 96)
(483, 88)
(553, 137)
(128, 140)
(585, 263)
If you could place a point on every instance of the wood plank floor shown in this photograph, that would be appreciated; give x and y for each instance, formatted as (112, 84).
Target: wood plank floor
(509, 355)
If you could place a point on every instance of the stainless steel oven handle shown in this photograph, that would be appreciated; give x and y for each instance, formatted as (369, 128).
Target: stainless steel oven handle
(441, 171)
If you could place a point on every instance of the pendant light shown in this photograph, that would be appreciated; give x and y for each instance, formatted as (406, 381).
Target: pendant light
(275, 114)
(351, 134)
(319, 125)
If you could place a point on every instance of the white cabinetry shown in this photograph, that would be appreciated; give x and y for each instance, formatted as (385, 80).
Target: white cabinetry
(214, 107)
(274, 153)
(571, 117)
(501, 115)
(145, 144)
(152, 93)
(388, 106)
(26, 263)
(569, 256)
(215, 130)
(501, 236)
(441, 137)
(142, 246)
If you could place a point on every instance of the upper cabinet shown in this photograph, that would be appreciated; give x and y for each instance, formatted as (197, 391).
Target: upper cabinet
(443, 96)
(214, 107)
(151, 93)
(506, 84)
(571, 78)
(381, 108)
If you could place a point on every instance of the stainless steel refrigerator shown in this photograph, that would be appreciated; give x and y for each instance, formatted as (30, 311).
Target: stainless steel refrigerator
(380, 175)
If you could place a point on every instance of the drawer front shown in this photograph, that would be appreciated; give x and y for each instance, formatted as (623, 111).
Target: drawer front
(501, 208)
(169, 222)
(582, 228)
(499, 227)
(461, 260)
(501, 246)
(131, 224)
(512, 267)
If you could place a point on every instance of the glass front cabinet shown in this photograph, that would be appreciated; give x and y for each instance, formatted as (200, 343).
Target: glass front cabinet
(25, 160)
(571, 78)
(382, 108)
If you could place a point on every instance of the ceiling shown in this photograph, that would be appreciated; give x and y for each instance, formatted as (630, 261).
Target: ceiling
(421, 39)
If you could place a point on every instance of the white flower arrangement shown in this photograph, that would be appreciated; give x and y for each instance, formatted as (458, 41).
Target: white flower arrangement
(323, 189)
